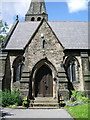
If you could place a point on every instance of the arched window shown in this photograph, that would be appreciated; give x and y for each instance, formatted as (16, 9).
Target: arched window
(18, 66)
(72, 69)
(39, 18)
(32, 19)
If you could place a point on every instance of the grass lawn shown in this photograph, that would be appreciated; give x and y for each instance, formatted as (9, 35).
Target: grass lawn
(79, 111)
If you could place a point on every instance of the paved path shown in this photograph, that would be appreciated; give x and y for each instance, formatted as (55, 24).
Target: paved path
(35, 113)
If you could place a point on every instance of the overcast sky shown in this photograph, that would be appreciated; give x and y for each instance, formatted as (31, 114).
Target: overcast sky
(65, 10)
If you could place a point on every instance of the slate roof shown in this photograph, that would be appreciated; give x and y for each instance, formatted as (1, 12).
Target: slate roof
(22, 35)
(72, 35)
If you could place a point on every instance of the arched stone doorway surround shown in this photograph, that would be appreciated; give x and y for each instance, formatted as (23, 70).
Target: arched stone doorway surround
(42, 65)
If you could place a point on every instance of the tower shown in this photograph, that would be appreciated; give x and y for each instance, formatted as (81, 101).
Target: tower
(37, 11)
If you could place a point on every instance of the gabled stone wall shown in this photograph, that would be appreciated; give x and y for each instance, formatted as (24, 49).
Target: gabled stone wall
(52, 51)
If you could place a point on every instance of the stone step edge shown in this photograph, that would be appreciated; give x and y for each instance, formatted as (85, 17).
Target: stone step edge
(34, 107)
(46, 105)
(45, 98)
(45, 101)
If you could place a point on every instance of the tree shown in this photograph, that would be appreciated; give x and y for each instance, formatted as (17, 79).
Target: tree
(3, 30)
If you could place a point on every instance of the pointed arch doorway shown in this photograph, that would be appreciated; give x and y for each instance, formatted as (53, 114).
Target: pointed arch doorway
(43, 85)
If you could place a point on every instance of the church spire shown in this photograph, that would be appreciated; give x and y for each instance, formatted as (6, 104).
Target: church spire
(37, 11)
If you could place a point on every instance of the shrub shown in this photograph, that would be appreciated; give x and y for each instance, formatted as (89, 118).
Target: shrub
(74, 93)
(0, 98)
(11, 98)
(26, 101)
(80, 96)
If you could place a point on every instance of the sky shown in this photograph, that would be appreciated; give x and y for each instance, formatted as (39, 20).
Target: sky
(65, 10)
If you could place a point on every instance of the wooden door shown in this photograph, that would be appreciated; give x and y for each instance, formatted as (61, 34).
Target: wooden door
(43, 82)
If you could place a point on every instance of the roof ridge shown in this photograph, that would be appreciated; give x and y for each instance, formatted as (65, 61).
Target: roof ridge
(29, 21)
(67, 21)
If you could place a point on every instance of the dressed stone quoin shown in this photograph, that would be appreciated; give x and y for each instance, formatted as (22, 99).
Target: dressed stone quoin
(40, 57)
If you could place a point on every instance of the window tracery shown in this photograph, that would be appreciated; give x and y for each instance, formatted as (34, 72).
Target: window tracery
(18, 66)
(72, 69)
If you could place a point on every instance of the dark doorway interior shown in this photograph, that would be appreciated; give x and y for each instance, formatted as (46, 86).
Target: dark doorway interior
(43, 82)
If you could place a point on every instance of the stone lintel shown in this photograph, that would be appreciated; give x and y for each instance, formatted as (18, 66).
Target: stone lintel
(24, 81)
(84, 54)
(87, 78)
(61, 74)
(26, 74)
(25, 77)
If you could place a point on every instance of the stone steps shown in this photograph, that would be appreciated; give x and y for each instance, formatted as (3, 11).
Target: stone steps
(44, 103)
(50, 107)
(50, 99)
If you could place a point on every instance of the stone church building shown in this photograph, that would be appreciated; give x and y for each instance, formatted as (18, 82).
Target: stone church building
(40, 57)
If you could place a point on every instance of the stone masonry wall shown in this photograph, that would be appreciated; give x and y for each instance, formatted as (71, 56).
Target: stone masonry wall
(53, 50)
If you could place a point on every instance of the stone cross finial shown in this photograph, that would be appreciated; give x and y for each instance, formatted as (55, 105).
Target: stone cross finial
(17, 17)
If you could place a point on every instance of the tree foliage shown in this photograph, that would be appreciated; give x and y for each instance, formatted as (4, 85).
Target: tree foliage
(3, 30)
